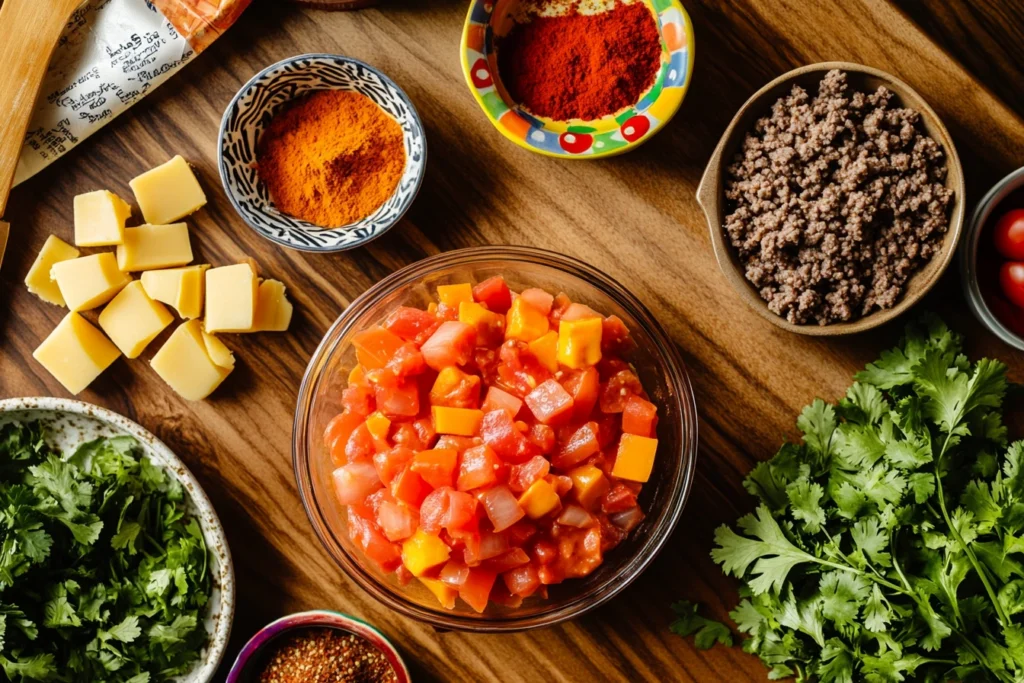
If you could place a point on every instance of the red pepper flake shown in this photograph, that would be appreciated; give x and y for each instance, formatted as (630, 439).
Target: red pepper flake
(327, 655)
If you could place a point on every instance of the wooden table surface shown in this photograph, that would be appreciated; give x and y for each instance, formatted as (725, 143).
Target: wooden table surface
(634, 216)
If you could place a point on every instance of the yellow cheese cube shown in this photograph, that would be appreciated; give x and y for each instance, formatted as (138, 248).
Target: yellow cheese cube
(132, 319)
(231, 295)
(589, 484)
(457, 421)
(635, 458)
(273, 310)
(178, 287)
(76, 353)
(453, 295)
(185, 364)
(545, 349)
(149, 247)
(38, 279)
(421, 551)
(168, 192)
(218, 351)
(88, 281)
(540, 499)
(444, 593)
(99, 219)
(579, 342)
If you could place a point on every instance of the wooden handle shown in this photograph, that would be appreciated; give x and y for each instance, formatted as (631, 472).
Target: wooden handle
(30, 30)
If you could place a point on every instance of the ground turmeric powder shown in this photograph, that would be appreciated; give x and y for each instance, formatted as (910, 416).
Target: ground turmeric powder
(331, 158)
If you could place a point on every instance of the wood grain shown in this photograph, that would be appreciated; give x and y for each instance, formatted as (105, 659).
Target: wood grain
(634, 216)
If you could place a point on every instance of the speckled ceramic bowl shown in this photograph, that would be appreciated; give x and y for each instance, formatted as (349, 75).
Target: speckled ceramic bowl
(253, 655)
(577, 139)
(72, 422)
(252, 109)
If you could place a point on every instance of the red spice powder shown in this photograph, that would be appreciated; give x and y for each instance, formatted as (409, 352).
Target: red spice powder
(581, 66)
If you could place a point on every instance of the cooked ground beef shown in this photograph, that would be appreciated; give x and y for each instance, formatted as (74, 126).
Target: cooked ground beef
(834, 201)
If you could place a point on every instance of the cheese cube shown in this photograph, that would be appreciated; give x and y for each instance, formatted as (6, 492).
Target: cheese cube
(38, 279)
(75, 353)
(88, 281)
(99, 219)
(185, 364)
(148, 247)
(273, 310)
(231, 294)
(168, 192)
(218, 351)
(132, 319)
(178, 287)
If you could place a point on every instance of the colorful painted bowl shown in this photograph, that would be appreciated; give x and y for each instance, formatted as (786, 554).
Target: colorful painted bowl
(577, 139)
(253, 655)
(252, 109)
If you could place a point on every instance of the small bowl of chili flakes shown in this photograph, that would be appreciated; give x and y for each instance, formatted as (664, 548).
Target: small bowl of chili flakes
(318, 646)
(516, 57)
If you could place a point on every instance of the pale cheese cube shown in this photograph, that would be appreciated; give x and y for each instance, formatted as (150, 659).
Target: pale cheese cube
(178, 287)
(38, 279)
(132, 319)
(75, 353)
(99, 219)
(89, 281)
(185, 364)
(149, 247)
(273, 310)
(218, 351)
(231, 293)
(168, 192)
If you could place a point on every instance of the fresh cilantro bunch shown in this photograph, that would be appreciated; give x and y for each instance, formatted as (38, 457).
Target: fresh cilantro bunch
(889, 545)
(103, 574)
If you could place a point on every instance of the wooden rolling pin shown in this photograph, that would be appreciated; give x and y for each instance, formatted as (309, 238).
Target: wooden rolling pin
(30, 30)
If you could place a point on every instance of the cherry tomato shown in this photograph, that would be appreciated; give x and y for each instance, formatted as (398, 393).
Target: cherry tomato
(1011, 279)
(1009, 235)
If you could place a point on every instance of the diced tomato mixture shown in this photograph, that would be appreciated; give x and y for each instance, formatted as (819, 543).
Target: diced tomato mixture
(493, 444)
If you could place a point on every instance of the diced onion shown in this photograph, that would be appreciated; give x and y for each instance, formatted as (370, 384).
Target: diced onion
(454, 573)
(502, 507)
(355, 481)
(574, 515)
(492, 545)
(627, 520)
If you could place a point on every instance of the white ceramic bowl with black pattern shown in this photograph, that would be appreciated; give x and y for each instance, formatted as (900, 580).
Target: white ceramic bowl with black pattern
(252, 109)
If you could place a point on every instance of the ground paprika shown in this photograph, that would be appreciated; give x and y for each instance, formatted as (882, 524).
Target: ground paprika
(577, 65)
(331, 158)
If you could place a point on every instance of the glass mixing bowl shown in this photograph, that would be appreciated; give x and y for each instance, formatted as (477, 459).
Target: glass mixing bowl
(655, 358)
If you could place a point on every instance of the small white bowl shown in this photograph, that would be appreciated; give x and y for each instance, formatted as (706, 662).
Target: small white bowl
(73, 422)
(969, 257)
(251, 111)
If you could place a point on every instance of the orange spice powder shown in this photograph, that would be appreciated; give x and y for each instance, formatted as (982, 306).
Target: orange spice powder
(331, 158)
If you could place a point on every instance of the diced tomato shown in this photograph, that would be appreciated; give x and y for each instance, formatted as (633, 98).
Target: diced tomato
(499, 432)
(436, 467)
(406, 362)
(402, 400)
(583, 386)
(500, 596)
(493, 293)
(618, 389)
(405, 434)
(539, 299)
(396, 520)
(425, 429)
(454, 573)
(580, 446)
(578, 312)
(501, 507)
(561, 483)
(445, 312)
(378, 498)
(477, 588)
(611, 535)
(452, 344)
(360, 445)
(520, 532)
(375, 347)
(365, 533)
(497, 398)
(615, 339)
(448, 509)
(358, 399)
(550, 402)
(510, 559)
(462, 511)
(639, 417)
(544, 551)
(559, 306)
(457, 443)
(491, 545)
(579, 551)
(543, 437)
(355, 481)
(520, 477)
(522, 581)
(455, 389)
(337, 434)
(478, 467)
(403, 576)
(608, 429)
(389, 463)
(409, 487)
(619, 499)
(520, 372)
(412, 324)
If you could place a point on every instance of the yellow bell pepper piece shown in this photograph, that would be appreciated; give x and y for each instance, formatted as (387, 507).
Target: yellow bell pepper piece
(444, 593)
(540, 499)
(545, 349)
(490, 326)
(421, 551)
(579, 342)
(378, 425)
(357, 376)
(589, 484)
(447, 381)
(635, 458)
(457, 421)
(453, 295)
(525, 323)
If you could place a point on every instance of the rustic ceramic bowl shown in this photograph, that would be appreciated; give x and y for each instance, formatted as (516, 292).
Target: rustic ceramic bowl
(711, 192)
(577, 139)
(72, 422)
(972, 271)
(246, 668)
(251, 111)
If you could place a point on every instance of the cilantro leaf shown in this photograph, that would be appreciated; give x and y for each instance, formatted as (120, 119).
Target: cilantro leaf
(708, 632)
